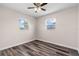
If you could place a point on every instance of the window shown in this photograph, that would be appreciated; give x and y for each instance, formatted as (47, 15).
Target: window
(50, 23)
(22, 24)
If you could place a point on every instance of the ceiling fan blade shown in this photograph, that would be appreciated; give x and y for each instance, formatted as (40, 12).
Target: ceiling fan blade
(37, 4)
(43, 4)
(43, 9)
(30, 7)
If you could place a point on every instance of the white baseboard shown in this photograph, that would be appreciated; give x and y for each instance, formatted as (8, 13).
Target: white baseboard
(14, 45)
(60, 44)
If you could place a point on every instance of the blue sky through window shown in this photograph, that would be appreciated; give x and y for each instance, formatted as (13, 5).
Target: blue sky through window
(51, 23)
(22, 23)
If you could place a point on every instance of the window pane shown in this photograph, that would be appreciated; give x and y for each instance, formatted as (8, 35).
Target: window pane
(51, 23)
(22, 24)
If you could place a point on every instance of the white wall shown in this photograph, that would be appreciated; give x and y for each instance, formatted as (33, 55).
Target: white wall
(78, 27)
(10, 34)
(65, 33)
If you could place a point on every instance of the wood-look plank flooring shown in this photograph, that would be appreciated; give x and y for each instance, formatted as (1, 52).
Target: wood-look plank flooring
(38, 48)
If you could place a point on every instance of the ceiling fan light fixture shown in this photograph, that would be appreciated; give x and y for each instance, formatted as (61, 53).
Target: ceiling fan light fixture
(39, 8)
(35, 9)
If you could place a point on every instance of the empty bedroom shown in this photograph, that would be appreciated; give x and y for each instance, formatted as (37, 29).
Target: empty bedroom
(39, 29)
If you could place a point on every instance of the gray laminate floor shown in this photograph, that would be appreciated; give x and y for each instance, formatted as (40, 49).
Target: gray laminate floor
(38, 48)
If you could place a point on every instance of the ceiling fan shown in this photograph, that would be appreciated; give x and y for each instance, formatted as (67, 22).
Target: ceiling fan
(38, 7)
